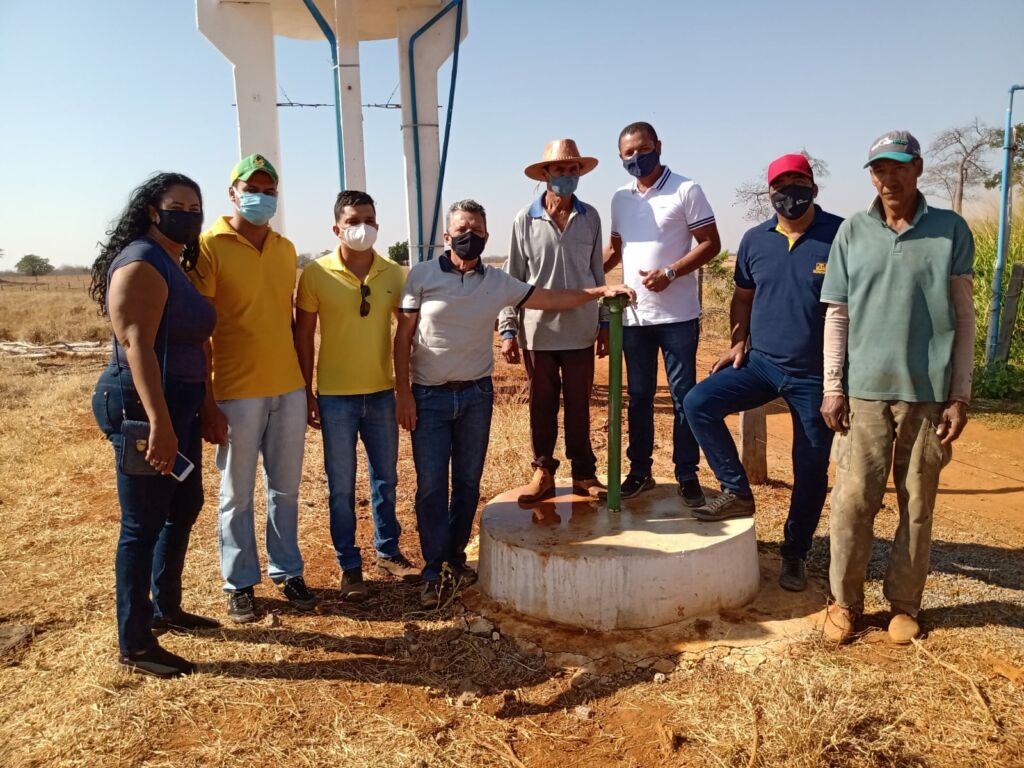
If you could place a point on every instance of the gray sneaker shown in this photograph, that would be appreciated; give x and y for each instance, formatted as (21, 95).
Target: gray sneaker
(725, 505)
(399, 567)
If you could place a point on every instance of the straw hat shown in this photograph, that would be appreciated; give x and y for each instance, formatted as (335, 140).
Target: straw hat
(558, 151)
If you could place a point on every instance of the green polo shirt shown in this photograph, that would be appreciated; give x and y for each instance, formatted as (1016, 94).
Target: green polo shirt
(896, 286)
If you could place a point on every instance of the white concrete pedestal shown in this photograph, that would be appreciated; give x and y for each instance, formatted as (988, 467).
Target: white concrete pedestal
(570, 561)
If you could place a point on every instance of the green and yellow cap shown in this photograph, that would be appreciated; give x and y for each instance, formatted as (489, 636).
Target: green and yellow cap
(249, 165)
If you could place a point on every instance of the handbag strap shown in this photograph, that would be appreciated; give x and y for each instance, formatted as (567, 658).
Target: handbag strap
(163, 365)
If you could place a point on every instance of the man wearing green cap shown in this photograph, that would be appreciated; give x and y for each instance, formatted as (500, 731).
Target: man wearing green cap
(898, 358)
(256, 401)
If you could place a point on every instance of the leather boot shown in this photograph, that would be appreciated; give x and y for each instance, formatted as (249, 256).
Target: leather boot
(593, 488)
(541, 487)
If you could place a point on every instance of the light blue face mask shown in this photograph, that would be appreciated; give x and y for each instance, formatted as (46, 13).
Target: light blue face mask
(257, 208)
(563, 186)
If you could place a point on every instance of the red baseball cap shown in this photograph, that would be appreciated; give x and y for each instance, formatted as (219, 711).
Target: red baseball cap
(789, 164)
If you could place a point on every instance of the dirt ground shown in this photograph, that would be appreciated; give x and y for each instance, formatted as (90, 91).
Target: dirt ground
(387, 684)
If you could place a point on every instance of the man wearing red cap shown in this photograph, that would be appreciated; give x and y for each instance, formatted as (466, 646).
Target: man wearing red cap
(777, 322)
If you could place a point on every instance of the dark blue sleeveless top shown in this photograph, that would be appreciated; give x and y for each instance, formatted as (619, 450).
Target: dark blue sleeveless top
(189, 317)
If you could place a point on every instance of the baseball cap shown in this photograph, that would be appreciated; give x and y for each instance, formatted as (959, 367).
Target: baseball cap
(789, 164)
(894, 145)
(249, 165)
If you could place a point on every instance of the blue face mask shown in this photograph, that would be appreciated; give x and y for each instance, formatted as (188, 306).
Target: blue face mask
(257, 208)
(641, 165)
(563, 186)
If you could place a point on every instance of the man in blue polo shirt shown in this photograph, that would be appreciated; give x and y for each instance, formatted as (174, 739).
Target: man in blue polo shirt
(777, 305)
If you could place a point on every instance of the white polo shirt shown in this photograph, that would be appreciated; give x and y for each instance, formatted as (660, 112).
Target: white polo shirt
(655, 227)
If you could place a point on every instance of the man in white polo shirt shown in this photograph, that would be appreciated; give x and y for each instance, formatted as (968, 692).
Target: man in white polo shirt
(655, 221)
(445, 339)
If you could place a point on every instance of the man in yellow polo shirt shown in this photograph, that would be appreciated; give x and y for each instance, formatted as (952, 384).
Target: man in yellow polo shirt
(354, 293)
(255, 402)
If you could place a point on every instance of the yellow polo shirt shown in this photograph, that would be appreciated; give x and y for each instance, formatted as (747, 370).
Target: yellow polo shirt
(253, 348)
(355, 352)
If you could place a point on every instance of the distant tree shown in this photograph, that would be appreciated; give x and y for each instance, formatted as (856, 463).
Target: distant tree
(304, 259)
(33, 265)
(995, 181)
(2, 252)
(324, 252)
(399, 252)
(957, 162)
(754, 197)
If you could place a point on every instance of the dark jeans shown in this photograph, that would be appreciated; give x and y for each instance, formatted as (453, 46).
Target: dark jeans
(344, 419)
(568, 374)
(677, 343)
(452, 429)
(759, 381)
(157, 512)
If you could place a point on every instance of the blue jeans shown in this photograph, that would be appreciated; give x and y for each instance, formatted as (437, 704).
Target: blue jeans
(157, 512)
(758, 382)
(678, 345)
(452, 429)
(276, 428)
(344, 419)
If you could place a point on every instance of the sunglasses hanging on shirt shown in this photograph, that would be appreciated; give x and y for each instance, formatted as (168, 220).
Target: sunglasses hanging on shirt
(364, 305)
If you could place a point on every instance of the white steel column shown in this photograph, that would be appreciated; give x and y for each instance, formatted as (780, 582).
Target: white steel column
(350, 95)
(244, 33)
(432, 49)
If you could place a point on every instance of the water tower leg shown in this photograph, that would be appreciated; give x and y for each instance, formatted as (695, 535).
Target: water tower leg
(244, 34)
(432, 49)
(350, 97)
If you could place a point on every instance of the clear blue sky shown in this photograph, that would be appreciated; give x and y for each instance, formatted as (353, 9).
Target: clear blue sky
(98, 95)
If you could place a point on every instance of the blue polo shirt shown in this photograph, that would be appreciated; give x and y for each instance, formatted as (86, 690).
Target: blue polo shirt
(787, 320)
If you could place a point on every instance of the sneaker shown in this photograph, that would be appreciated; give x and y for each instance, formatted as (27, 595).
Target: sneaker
(242, 606)
(183, 622)
(158, 662)
(397, 566)
(794, 574)
(541, 487)
(430, 594)
(838, 626)
(634, 485)
(353, 588)
(903, 628)
(725, 505)
(463, 575)
(298, 593)
(692, 493)
(591, 488)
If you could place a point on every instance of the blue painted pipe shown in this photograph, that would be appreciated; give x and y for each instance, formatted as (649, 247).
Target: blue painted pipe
(1004, 233)
(416, 123)
(333, 42)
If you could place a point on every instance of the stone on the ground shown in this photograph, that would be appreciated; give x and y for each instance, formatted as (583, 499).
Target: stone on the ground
(665, 666)
(566, 660)
(660, 677)
(583, 712)
(481, 627)
(13, 635)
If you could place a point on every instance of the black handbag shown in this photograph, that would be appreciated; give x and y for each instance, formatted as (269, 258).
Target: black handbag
(135, 432)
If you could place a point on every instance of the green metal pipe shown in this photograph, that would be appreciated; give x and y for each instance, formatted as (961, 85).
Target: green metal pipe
(615, 305)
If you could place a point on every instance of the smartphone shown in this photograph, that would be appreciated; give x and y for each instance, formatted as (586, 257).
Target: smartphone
(182, 467)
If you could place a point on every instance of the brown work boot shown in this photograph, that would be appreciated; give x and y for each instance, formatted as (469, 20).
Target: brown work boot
(838, 626)
(541, 487)
(593, 488)
(903, 628)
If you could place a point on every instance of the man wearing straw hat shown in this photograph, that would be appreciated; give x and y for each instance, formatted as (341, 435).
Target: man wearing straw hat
(556, 243)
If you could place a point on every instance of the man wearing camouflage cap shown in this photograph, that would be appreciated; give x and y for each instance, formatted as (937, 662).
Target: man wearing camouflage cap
(256, 401)
(898, 352)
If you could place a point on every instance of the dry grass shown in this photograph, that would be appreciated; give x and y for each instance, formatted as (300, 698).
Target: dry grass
(51, 308)
(376, 685)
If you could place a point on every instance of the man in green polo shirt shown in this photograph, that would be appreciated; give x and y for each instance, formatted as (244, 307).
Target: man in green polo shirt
(898, 357)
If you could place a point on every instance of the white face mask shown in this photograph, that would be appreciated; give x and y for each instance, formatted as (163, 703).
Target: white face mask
(361, 237)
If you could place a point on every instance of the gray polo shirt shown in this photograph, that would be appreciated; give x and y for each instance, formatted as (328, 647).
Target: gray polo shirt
(454, 339)
(543, 255)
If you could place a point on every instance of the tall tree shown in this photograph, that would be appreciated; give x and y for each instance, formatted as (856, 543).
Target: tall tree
(1016, 165)
(957, 161)
(754, 197)
(399, 252)
(33, 265)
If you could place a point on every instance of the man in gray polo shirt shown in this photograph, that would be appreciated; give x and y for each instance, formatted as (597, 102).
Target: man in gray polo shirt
(898, 354)
(556, 243)
(445, 339)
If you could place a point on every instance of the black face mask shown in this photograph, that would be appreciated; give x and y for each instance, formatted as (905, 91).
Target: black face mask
(182, 227)
(791, 202)
(468, 246)
(640, 165)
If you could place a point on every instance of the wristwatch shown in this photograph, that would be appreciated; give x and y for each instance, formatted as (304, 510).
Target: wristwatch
(670, 274)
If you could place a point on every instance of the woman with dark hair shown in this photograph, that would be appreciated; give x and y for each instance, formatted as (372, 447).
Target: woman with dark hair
(157, 374)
